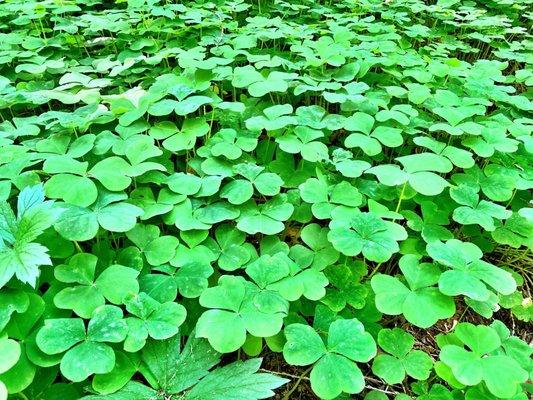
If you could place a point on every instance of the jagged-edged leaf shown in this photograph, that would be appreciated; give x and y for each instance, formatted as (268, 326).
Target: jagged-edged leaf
(237, 380)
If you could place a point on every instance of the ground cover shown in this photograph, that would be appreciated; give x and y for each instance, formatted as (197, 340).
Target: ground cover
(246, 199)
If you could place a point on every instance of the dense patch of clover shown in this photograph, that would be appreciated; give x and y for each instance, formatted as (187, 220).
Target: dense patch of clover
(182, 180)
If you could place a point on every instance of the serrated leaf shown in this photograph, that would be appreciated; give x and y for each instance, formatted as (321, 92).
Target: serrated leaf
(237, 380)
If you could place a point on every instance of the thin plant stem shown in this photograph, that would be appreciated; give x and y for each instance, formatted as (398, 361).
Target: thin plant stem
(287, 395)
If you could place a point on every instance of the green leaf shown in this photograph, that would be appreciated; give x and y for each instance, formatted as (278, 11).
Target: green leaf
(359, 122)
(58, 335)
(225, 330)
(422, 304)
(482, 214)
(72, 189)
(395, 341)
(19, 255)
(427, 183)
(119, 376)
(228, 295)
(165, 321)
(131, 391)
(238, 191)
(10, 351)
(187, 184)
(468, 275)
(267, 218)
(368, 234)
(389, 368)
(176, 371)
(12, 301)
(20, 376)
(314, 191)
(232, 252)
(418, 364)
(23, 261)
(80, 269)
(86, 359)
(425, 162)
(237, 307)
(77, 223)
(107, 325)
(83, 300)
(480, 339)
(335, 371)
(393, 368)
(335, 374)
(117, 281)
(238, 380)
(161, 250)
(501, 373)
(119, 217)
(304, 346)
(348, 338)
(113, 173)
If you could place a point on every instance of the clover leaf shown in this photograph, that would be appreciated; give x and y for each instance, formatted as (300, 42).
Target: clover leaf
(370, 141)
(231, 144)
(266, 218)
(455, 114)
(325, 198)
(302, 140)
(274, 118)
(368, 234)
(494, 183)
(239, 191)
(11, 352)
(237, 306)
(459, 157)
(73, 189)
(182, 107)
(157, 320)
(109, 212)
(401, 359)
(279, 273)
(157, 249)
(190, 268)
(421, 303)
(491, 141)
(175, 139)
(114, 173)
(515, 232)
(316, 117)
(113, 283)
(501, 373)
(474, 211)
(319, 252)
(86, 351)
(232, 250)
(346, 165)
(334, 369)
(431, 224)
(345, 287)
(468, 274)
(12, 301)
(258, 85)
(421, 180)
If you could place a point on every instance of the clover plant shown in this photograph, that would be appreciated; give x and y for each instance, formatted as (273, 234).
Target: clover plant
(401, 359)
(334, 362)
(244, 199)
